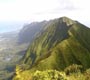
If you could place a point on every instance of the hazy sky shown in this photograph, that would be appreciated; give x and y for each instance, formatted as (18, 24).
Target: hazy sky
(38, 10)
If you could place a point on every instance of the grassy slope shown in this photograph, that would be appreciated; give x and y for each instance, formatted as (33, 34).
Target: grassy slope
(63, 43)
(69, 51)
(52, 35)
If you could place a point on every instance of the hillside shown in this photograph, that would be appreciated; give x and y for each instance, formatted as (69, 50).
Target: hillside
(62, 43)
(28, 32)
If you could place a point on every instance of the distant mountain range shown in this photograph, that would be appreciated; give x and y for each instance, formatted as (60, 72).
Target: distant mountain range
(29, 31)
(56, 44)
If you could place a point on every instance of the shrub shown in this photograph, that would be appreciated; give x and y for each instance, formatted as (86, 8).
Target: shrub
(87, 74)
(48, 75)
(74, 68)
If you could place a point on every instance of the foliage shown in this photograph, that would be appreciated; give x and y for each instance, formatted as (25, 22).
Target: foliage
(48, 75)
(52, 75)
(74, 68)
(87, 74)
(62, 43)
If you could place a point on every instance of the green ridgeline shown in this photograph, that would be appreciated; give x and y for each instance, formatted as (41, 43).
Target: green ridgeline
(63, 42)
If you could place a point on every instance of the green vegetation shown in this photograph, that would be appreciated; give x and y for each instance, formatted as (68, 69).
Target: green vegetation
(75, 74)
(62, 43)
(73, 69)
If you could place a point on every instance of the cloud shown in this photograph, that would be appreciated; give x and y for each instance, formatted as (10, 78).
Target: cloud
(30, 10)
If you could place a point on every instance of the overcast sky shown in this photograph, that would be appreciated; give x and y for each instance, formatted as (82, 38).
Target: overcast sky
(38, 10)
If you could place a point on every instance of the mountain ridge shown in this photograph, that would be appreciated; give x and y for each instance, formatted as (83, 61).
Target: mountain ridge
(54, 35)
(62, 43)
(27, 33)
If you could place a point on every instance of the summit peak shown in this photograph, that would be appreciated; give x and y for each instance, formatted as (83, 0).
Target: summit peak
(67, 20)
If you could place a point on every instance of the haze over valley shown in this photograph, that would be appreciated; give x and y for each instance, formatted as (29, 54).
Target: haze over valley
(44, 40)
